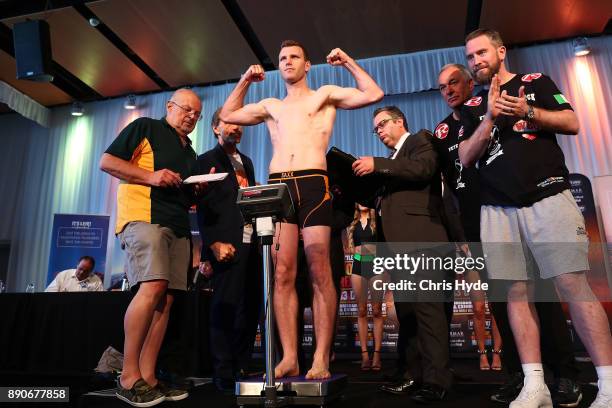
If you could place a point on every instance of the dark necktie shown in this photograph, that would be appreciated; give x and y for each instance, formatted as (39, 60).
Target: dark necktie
(392, 153)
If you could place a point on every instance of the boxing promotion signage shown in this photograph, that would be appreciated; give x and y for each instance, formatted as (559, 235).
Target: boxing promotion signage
(76, 235)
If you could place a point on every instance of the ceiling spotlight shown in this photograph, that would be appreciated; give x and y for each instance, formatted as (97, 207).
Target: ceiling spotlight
(94, 22)
(77, 109)
(130, 102)
(581, 46)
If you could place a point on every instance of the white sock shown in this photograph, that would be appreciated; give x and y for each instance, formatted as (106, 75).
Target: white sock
(534, 375)
(604, 373)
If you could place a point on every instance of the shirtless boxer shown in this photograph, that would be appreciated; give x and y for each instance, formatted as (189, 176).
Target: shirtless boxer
(300, 126)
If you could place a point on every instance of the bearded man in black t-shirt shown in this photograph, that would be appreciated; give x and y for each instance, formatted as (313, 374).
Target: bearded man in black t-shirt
(509, 135)
(456, 87)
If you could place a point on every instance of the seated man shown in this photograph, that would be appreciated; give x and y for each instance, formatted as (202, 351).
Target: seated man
(81, 279)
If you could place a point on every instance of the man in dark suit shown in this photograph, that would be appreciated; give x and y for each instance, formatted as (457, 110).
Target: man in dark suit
(411, 210)
(230, 246)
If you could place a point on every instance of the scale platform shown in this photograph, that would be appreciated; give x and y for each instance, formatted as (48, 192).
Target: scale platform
(292, 390)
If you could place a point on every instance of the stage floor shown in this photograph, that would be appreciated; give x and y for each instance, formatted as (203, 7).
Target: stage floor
(472, 389)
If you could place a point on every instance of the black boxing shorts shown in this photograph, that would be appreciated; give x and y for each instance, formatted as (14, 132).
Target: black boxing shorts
(309, 190)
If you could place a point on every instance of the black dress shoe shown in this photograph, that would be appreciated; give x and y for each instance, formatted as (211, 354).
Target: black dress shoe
(429, 394)
(403, 387)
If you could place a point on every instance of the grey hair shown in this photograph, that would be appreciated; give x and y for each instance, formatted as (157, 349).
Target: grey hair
(462, 68)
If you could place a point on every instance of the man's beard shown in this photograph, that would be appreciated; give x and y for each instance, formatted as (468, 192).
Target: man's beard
(485, 77)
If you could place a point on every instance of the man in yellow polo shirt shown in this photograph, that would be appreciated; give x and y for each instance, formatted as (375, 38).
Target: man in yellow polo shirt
(151, 157)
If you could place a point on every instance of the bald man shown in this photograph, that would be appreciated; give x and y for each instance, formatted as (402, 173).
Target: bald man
(151, 157)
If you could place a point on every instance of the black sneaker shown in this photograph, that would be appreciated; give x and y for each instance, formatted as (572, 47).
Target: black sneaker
(566, 393)
(510, 389)
(140, 395)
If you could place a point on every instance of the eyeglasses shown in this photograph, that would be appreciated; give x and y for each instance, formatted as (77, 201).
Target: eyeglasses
(381, 125)
(188, 111)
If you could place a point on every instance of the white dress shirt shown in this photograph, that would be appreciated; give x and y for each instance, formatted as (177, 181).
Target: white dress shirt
(400, 143)
(67, 281)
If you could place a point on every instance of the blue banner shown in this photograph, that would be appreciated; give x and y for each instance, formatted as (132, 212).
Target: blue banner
(74, 236)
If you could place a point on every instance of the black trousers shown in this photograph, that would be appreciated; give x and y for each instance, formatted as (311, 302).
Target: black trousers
(235, 311)
(423, 338)
(422, 345)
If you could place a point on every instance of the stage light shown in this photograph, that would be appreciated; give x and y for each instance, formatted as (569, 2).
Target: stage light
(130, 102)
(581, 46)
(77, 109)
(72, 179)
(584, 78)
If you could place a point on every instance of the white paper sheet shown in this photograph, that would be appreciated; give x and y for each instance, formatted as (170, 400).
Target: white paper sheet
(201, 178)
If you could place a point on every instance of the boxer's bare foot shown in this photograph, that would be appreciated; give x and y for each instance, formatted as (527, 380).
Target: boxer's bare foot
(287, 368)
(318, 372)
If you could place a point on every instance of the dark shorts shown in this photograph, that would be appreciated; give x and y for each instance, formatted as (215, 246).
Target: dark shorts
(309, 190)
(363, 268)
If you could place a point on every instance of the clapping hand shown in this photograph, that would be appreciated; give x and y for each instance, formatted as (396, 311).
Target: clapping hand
(513, 105)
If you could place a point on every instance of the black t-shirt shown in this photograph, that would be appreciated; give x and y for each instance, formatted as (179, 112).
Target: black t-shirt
(522, 165)
(462, 181)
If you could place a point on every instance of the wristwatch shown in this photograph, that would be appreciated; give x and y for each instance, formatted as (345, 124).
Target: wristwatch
(530, 113)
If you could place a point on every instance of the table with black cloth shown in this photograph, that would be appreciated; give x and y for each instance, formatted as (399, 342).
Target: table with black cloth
(55, 333)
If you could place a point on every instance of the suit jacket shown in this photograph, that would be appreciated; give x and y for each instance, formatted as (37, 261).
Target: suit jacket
(219, 218)
(411, 199)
